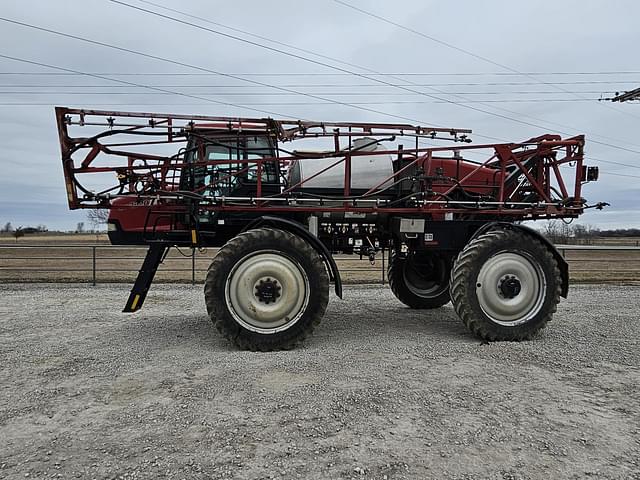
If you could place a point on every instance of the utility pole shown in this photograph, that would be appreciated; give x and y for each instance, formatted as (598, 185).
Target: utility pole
(626, 96)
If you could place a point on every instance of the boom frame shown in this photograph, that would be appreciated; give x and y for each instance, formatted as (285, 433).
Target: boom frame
(154, 178)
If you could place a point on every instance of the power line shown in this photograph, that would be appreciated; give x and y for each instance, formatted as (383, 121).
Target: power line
(186, 85)
(448, 84)
(242, 106)
(253, 94)
(607, 172)
(199, 104)
(613, 162)
(511, 70)
(218, 73)
(244, 32)
(621, 174)
(459, 49)
(326, 74)
(629, 96)
(277, 42)
(226, 35)
(55, 67)
(155, 57)
(405, 102)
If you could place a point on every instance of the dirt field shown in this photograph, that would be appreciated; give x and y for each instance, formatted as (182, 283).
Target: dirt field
(53, 263)
(379, 392)
(55, 238)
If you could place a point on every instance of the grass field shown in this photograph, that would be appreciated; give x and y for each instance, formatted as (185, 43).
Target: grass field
(70, 258)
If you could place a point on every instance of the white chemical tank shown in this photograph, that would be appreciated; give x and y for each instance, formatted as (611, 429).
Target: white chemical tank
(367, 171)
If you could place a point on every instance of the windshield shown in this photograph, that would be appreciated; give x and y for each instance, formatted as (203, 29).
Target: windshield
(223, 179)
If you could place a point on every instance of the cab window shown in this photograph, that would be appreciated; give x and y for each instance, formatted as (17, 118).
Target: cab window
(223, 179)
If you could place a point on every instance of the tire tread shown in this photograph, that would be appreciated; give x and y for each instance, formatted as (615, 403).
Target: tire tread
(217, 310)
(463, 269)
(395, 276)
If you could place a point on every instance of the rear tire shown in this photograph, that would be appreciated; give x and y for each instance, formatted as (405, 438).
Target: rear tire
(420, 281)
(505, 285)
(266, 289)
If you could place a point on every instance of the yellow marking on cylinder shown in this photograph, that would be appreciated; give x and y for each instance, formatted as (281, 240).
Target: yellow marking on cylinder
(135, 301)
(194, 238)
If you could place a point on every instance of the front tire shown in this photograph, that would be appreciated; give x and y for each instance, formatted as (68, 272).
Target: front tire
(266, 289)
(505, 285)
(420, 280)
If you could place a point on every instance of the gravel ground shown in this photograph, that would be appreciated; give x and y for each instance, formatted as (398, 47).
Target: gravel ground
(380, 391)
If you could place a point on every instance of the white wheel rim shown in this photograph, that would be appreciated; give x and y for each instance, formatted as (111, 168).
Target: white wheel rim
(273, 314)
(522, 270)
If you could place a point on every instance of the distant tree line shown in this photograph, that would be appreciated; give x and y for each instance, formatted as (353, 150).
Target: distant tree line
(97, 218)
(556, 231)
(621, 232)
(8, 228)
(22, 231)
(576, 233)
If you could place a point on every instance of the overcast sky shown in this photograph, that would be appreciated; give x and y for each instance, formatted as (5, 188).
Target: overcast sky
(596, 39)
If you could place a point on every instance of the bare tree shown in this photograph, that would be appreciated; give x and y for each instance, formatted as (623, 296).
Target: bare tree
(585, 233)
(558, 232)
(17, 233)
(7, 228)
(566, 233)
(97, 217)
(552, 230)
(580, 233)
(80, 227)
(591, 232)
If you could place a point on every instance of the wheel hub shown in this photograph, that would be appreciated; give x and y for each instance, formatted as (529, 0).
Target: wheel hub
(267, 290)
(510, 286)
(425, 277)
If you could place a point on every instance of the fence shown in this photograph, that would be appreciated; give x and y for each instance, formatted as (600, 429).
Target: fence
(112, 263)
(109, 263)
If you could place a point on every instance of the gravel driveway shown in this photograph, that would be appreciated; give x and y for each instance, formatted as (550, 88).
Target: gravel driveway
(380, 391)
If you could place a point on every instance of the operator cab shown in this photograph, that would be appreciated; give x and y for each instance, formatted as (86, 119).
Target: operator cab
(220, 162)
(235, 175)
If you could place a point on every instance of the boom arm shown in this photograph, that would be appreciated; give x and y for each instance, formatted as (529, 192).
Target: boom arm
(143, 157)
